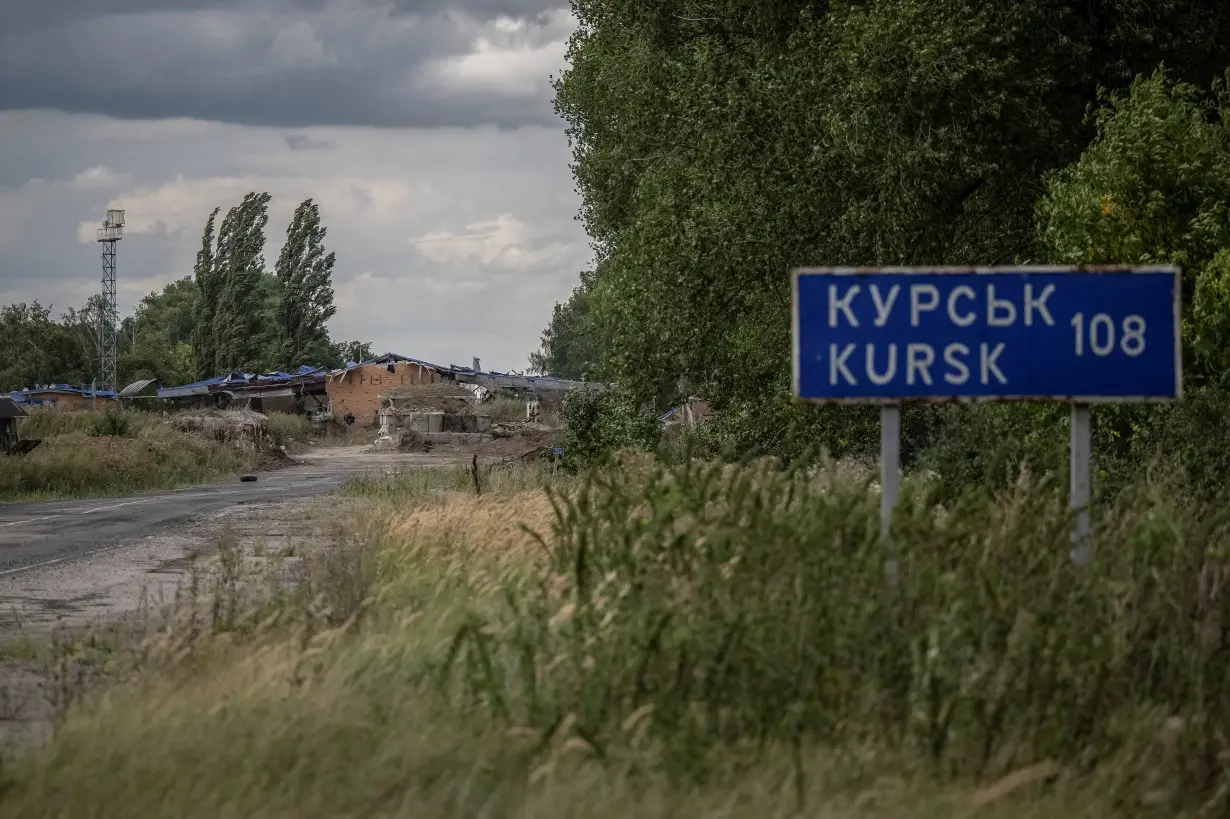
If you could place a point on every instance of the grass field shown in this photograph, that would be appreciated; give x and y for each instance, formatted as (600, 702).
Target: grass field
(676, 640)
(108, 453)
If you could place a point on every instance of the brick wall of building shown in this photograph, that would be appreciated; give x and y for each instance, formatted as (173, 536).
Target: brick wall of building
(358, 392)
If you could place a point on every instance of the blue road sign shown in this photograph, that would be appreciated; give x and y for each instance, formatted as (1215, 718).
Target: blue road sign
(1091, 335)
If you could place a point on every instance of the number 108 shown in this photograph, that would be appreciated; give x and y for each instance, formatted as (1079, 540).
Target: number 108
(1099, 335)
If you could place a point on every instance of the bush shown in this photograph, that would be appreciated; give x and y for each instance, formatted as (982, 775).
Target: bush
(985, 447)
(504, 409)
(112, 421)
(599, 424)
(285, 427)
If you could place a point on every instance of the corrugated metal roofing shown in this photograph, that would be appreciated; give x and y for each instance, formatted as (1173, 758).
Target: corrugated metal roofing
(137, 387)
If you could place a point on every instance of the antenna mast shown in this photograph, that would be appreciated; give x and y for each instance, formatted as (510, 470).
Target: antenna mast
(112, 231)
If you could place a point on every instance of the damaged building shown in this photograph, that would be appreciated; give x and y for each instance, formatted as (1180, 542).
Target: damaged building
(390, 391)
(61, 397)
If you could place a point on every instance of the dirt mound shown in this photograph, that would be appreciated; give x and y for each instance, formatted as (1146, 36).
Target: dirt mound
(246, 430)
(519, 440)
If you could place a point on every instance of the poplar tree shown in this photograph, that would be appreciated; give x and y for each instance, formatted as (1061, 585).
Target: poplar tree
(305, 271)
(206, 303)
(228, 276)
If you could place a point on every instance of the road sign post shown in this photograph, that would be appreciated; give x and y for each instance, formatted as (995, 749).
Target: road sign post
(890, 479)
(1077, 335)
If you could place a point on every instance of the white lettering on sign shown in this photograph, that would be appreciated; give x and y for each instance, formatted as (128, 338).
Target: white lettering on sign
(1039, 304)
(1099, 334)
(917, 305)
(884, 307)
(837, 363)
(919, 358)
(880, 379)
(957, 292)
(960, 373)
(989, 365)
(842, 304)
(960, 302)
(994, 304)
(880, 364)
(1133, 343)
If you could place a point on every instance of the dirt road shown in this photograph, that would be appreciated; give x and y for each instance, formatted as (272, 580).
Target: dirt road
(73, 561)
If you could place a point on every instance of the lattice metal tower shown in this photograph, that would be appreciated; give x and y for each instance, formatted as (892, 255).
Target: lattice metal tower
(112, 231)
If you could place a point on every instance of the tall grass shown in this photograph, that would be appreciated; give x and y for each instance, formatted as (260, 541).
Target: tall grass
(750, 606)
(417, 484)
(111, 452)
(285, 427)
(686, 639)
(504, 409)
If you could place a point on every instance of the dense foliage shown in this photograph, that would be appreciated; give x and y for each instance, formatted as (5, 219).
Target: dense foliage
(720, 143)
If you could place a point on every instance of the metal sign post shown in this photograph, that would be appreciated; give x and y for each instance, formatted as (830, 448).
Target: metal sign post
(1080, 474)
(1077, 335)
(890, 481)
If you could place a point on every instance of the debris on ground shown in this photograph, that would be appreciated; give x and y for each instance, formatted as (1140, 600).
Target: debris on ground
(248, 431)
(525, 441)
(403, 440)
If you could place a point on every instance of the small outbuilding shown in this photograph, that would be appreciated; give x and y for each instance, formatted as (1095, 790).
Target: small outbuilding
(10, 412)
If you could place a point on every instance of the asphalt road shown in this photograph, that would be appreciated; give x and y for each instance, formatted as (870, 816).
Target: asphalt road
(34, 535)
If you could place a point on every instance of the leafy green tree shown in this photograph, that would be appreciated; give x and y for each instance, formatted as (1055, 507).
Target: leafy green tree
(238, 323)
(305, 271)
(233, 330)
(162, 330)
(719, 143)
(208, 285)
(569, 349)
(1153, 187)
(344, 351)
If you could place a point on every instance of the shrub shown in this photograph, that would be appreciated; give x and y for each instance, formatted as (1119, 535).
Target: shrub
(598, 424)
(285, 427)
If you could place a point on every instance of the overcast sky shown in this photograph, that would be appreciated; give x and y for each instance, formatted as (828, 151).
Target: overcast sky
(424, 129)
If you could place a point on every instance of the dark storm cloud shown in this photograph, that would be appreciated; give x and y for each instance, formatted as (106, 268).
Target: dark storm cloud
(58, 12)
(284, 63)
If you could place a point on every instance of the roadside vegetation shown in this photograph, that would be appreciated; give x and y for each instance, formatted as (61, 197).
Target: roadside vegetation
(116, 452)
(111, 453)
(673, 635)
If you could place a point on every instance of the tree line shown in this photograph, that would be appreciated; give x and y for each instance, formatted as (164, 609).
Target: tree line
(231, 314)
(718, 144)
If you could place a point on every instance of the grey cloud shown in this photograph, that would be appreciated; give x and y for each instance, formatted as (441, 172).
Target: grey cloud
(483, 9)
(27, 15)
(302, 142)
(283, 63)
(382, 191)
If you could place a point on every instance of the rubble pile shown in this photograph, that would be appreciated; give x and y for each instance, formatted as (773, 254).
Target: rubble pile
(248, 431)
